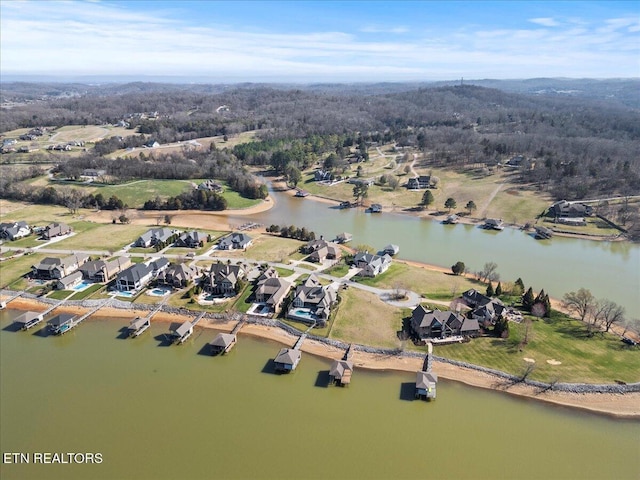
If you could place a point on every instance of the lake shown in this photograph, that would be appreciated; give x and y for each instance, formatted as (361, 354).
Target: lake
(172, 412)
(609, 269)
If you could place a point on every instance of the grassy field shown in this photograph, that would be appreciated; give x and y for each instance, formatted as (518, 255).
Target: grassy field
(267, 248)
(363, 318)
(60, 294)
(11, 271)
(429, 283)
(598, 359)
(595, 226)
(98, 236)
(37, 215)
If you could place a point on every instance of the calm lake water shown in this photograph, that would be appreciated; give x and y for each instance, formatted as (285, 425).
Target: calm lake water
(170, 412)
(609, 269)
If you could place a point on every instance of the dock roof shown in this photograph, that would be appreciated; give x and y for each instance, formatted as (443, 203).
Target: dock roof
(223, 340)
(61, 319)
(425, 380)
(183, 329)
(288, 356)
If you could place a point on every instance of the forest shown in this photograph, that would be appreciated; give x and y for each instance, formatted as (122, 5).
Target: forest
(579, 146)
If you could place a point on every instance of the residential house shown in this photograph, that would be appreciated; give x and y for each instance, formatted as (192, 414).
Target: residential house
(317, 300)
(14, 230)
(70, 281)
(361, 181)
(177, 275)
(235, 241)
(138, 275)
(564, 208)
(322, 175)
(54, 268)
(420, 182)
(93, 173)
(438, 324)
(371, 265)
(211, 186)
(152, 144)
(484, 309)
(155, 236)
(325, 251)
(55, 230)
(104, 270)
(273, 292)
(223, 278)
(192, 239)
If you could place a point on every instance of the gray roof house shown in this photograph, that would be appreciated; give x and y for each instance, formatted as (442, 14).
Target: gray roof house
(104, 270)
(154, 236)
(55, 268)
(273, 291)
(325, 251)
(55, 230)
(139, 275)
(14, 230)
(564, 208)
(192, 239)
(223, 278)
(417, 183)
(177, 275)
(316, 298)
(70, 281)
(371, 265)
(438, 324)
(235, 241)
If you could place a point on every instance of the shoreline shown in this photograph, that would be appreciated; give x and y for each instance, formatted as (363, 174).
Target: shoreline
(435, 215)
(624, 406)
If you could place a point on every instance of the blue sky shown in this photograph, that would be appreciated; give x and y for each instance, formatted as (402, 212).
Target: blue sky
(321, 41)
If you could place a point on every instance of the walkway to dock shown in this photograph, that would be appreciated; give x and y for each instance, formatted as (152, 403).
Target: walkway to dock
(238, 326)
(198, 318)
(349, 353)
(92, 311)
(4, 303)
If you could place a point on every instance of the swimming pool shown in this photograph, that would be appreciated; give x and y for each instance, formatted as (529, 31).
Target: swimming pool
(303, 314)
(125, 294)
(82, 286)
(158, 292)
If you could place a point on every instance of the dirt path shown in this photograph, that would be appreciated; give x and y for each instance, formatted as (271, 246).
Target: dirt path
(483, 210)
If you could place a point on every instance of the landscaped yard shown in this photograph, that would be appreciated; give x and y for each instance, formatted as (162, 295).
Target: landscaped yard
(363, 318)
(599, 359)
(266, 248)
(12, 270)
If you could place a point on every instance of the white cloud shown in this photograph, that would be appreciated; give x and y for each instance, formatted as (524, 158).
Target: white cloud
(96, 38)
(545, 21)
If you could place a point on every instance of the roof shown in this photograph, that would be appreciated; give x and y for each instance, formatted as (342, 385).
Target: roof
(183, 329)
(69, 279)
(223, 340)
(425, 380)
(26, 317)
(61, 319)
(136, 272)
(138, 322)
(288, 356)
(339, 367)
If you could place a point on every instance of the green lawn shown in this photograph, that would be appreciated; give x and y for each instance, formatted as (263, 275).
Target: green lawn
(12, 271)
(338, 270)
(267, 248)
(243, 303)
(88, 292)
(283, 272)
(60, 294)
(100, 236)
(597, 359)
(363, 318)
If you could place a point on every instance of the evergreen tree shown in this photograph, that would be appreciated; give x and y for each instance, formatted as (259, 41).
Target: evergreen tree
(427, 199)
(520, 283)
(547, 306)
(528, 300)
(490, 290)
(499, 289)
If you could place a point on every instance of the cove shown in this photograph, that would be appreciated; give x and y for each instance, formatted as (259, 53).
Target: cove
(171, 412)
(609, 269)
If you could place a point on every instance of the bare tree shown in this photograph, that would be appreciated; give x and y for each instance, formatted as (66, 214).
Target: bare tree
(489, 272)
(581, 302)
(609, 313)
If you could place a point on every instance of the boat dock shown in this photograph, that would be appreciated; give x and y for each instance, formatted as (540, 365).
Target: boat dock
(62, 323)
(425, 380)
(341, 370)
(140, 324)
(224, 342)
(29, 319)
(288, 358)
(3, 303)
(185, 330)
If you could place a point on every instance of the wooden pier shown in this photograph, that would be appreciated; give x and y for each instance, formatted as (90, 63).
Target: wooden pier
(4, 303)
(341, 370)
(426, 381)
(224, 342)
(140, 324)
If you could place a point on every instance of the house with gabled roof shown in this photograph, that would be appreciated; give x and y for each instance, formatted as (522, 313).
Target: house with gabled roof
(155, 236)
(14, 230)
(323, 250)
(235, 241)
(56, 268)
(55, 230)
(222, 278)
(428, 323)
(105, 270)
(316, 300)
(138, 275)
(420, 182)
(484, 309)
(70, 281)
(192, 239)
(371, 265)
(273, 292)
(177, 275)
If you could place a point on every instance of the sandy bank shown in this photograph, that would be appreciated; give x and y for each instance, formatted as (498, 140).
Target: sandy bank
(624, 406)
